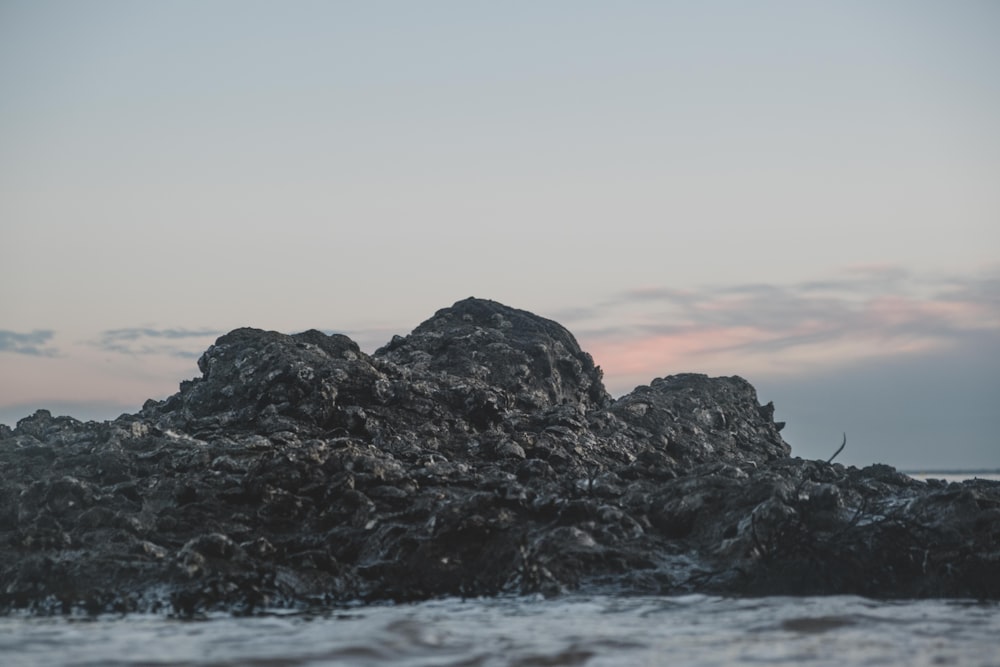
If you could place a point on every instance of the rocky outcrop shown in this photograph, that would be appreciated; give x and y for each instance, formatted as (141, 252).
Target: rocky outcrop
(479, 455)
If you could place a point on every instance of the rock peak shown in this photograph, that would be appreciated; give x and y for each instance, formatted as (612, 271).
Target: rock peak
(534, 359)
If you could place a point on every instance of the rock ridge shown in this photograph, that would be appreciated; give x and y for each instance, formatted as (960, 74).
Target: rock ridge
(478, 455)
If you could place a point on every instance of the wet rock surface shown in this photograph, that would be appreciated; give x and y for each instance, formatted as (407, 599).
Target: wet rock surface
(479, 455)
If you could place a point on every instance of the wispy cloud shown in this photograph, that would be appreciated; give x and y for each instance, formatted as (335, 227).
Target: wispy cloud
(866, 312)
(34, 343)
(191, 343)
(183, 343)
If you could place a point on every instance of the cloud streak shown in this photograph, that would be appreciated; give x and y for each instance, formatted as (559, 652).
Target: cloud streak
(32, 343)
(175, 342)
(863, 313)
(191, 343)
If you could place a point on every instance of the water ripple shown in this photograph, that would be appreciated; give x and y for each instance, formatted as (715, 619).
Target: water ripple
(597, 631)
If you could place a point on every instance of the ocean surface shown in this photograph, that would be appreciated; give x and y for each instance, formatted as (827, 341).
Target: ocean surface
(535, 632)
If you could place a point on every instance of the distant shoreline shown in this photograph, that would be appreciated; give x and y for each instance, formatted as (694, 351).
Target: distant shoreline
(991, 474)
(952, 471)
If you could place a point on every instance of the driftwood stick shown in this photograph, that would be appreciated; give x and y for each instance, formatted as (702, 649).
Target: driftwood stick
(839, 450)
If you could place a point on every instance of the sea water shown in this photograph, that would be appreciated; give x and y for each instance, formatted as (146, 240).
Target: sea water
(535, 632)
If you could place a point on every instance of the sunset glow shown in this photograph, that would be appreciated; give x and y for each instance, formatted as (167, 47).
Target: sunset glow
(803, 194)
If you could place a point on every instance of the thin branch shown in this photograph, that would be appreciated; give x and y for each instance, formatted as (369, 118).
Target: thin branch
(839, 450)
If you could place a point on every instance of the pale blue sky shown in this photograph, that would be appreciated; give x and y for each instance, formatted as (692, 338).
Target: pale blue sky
(802, 193)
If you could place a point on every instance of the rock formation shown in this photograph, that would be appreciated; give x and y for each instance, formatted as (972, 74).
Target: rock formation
(479, 455)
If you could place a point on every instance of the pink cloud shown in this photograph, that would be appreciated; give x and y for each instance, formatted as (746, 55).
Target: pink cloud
(763, 328)
(640, 354)
(894, 311)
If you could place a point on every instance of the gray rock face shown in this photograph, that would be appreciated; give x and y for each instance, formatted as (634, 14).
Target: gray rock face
(697, 419)
(479, 455)
(535, 362)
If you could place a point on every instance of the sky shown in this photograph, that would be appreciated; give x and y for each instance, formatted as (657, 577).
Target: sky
(805, 194)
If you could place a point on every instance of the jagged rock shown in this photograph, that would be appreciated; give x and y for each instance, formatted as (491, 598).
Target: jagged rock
(694, 419)
(536, 363)
(479, 455)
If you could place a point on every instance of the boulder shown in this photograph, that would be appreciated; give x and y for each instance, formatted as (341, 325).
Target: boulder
(479, 455)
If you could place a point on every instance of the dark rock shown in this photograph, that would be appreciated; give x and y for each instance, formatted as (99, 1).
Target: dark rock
(694, 419)
(534, 363)
(479, 455)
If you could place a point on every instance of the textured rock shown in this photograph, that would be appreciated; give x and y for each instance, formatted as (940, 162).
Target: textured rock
(535, 363)
(479, 455)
